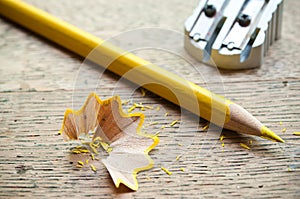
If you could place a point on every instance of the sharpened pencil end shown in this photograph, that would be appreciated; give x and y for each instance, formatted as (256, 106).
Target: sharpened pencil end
(268, 134)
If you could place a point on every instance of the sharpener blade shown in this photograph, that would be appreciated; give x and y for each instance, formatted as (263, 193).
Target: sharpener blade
(233, 34)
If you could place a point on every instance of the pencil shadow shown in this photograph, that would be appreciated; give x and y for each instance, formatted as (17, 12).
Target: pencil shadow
(229, 73)
(123, 189)
(258, 147)
(228, 134)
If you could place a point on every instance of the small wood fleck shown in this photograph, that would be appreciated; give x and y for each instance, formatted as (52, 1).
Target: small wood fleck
(93, 168)
(296, 133)
(166, 171)
(173, 123)
(245, 146)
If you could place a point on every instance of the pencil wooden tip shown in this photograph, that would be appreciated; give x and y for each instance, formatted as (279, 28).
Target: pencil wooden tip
(268, 134)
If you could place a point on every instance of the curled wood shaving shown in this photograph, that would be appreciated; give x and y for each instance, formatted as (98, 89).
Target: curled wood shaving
(116, 132)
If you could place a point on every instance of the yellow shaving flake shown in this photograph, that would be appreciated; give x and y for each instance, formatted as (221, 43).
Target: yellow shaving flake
(148, 178)
(166, 114)
(283, 130)
(75, 151)
(84, 151)
(143, 92)
(86, 161)
(109, 150)
(178, 157)
(163, 126)
(131, 109)
(149, 107)
(296, 133)
(205, 127)
(152, 123)
(96, 145)
(174, 122)
(93, 168)
(250, 142)
(157, 133)
(80, 163)
(79, 166)
(280, 123)
(106, 147)
(138, 105)
(222, 138)
(93, 148)
(125, 102)
(244, 146)
(166, 170)
(179, 144)
(182, 169)
(83, 142)
(289, 169)
(223, 144)
(92, 156)
(96, 141)
(157, 108)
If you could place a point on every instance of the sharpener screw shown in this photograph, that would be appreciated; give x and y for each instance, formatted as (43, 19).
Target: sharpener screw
(244, 20)
(210, 10)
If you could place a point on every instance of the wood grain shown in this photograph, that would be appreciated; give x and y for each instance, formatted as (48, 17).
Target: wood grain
(39, 80)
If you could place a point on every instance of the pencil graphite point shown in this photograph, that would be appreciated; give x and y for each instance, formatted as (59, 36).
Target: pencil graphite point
(268, 134)
(242, 121)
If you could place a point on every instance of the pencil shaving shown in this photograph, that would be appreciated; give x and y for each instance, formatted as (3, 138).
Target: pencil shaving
(93, 168)
(166, 171)
(174, 122)
(116, 133)
(125, 102)
(222, 138)
(245, 146)
(296, 133)
(205, 127)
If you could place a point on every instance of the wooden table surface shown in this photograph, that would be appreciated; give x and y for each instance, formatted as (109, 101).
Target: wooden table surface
(39, 80)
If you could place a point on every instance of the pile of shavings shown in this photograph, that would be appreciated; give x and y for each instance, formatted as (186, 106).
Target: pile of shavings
(107, 128)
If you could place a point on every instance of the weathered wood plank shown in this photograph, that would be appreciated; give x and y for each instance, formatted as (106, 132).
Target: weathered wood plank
(38, 81)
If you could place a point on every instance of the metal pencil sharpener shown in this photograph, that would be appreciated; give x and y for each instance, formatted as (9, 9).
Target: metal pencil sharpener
(233, 34)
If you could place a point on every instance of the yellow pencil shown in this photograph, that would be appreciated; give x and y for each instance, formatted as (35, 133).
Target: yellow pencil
(194, 98)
